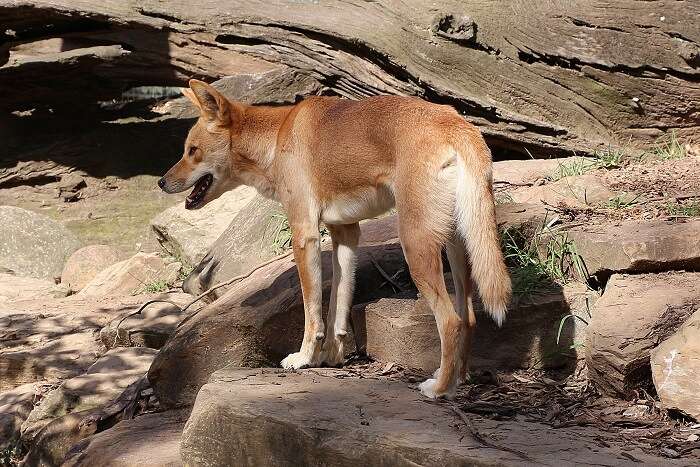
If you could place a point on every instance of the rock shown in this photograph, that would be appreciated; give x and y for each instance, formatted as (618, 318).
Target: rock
(577, 191)
(151, 328)
(258, 321)
(528, 172)
(141, 273)
(106, 379)
(70, 186)
(188, 235)
(636, 246)
(329, 417)
(633, 316)
(247, 241)
(14, 287)
(529, 217)
(32, 244)
(57, 339)
(151, 440)
(86, 263)
(15, 406)
(403, 330)
(675, 368)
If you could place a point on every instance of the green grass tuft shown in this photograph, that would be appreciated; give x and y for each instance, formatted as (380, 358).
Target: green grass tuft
(668, 148)
(691, 209)
(156, 286)
(622, 201)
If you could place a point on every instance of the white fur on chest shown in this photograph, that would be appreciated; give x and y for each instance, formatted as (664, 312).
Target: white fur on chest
(353, 207)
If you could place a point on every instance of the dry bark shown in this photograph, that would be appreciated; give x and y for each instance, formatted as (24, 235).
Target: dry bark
(546, 76)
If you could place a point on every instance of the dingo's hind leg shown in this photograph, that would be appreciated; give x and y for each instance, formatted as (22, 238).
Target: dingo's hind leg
(461, 277)
(423, 250)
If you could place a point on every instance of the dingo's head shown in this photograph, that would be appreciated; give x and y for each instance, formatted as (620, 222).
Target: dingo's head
(206, 161)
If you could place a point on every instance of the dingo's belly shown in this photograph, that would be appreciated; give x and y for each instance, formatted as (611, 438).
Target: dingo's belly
(349, 208)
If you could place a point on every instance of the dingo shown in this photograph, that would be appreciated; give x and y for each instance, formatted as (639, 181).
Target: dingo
(339, 161)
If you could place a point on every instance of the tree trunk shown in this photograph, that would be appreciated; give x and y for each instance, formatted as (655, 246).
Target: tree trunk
(539, 76)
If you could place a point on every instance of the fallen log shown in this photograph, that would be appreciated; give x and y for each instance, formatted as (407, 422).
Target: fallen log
(548, 77)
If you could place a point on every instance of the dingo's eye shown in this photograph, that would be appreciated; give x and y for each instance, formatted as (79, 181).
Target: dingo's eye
(193, 149)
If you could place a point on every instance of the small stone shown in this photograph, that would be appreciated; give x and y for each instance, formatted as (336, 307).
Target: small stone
(692, 438)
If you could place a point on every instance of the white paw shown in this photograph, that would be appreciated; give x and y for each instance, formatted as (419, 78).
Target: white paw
(333, 355)
(298, 360)
(427, 388)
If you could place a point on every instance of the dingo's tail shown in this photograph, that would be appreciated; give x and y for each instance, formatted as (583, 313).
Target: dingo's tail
(476, 222)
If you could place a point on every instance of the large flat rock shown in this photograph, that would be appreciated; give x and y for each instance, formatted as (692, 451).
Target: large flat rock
(403, 330)
(635, 246)
(258, 417)
(529, 171)
(15, 406)
(151, 440)
(635, 314)
(33, 244)
(675, 367)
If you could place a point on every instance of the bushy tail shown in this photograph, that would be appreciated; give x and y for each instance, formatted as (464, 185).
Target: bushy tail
(476, 222)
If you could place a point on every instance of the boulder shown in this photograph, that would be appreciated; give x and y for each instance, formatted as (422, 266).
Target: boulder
(150, 328)
(151, 440)
(634, 246)
(14, 287)
(104, 380)
(576, 192)
(188, 234)
(143, 272)
(635, 314)
(403, 330)
(57, 339)
(333, 417)
(86, 263)
(34, 245)
(530, 171)
(259, 320)
(15, 406)
(248, 240)
(675, 368)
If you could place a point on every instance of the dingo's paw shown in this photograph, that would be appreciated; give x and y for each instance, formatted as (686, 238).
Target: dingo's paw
(332, 354)
(298, 360)
(427, 388)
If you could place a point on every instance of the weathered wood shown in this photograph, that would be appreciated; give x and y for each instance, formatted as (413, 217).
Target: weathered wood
(547, 76)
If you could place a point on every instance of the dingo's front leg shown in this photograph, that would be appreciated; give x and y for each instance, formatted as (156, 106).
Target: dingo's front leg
(306, 244)
(345, 240)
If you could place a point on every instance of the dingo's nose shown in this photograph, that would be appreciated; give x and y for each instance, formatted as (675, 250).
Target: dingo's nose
(161, 183)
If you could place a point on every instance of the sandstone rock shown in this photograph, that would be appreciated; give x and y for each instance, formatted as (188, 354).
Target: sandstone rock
(632, 317)
(257, 322)
(249, 417)
(86, 263)
(32, 244)
(57, 339)
(529, 217)
(15, 406)
(151, 328)
(638, 246)
(247, 241)
(527, 172)
(675, 367)
(403, 330)
(151, 440)
(133, 276)
(189, 234)
(577, 191)
(14, 287)
(106, 379)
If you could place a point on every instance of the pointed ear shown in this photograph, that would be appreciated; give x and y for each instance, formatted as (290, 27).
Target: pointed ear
(187, 92)
(213, 105)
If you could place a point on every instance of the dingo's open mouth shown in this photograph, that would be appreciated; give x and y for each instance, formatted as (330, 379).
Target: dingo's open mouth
(199, 192)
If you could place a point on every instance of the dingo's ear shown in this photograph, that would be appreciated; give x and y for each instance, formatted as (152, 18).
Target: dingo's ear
(187, 92)
(213, 105)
